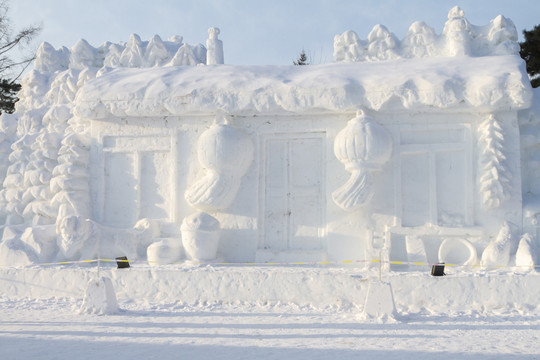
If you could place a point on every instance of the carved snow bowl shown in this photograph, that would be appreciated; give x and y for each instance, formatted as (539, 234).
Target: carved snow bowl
(200, 236)
(457, 251)
(164, 251)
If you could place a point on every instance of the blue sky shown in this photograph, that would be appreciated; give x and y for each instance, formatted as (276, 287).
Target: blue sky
(253, 32)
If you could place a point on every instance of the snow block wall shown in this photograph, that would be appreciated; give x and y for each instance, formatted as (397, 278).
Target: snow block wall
(410, 150)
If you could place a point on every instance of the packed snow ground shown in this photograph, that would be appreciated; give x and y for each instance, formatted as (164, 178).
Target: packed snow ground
(501, 322)
(53, 329)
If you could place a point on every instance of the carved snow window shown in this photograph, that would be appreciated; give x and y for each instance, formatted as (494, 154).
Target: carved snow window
(137, 179)
(435, 178)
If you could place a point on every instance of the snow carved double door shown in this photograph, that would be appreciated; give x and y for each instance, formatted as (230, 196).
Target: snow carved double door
(292, 192)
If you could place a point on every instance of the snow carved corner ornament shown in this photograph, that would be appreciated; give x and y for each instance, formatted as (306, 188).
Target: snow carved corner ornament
(363, 146)
(226, 154)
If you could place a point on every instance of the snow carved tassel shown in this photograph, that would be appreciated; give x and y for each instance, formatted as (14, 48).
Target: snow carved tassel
(226, 153)
(362, 146)
(495, 177)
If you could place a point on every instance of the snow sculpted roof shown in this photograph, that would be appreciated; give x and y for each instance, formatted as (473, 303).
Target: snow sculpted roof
(496, 82)
(464, 66)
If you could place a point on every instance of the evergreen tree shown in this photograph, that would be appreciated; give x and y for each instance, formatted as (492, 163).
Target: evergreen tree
(8, 98)
(302, 59)
(530, 52)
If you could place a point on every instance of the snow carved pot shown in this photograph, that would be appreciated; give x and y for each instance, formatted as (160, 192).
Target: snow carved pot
(200, 236)
(226, 154)
(362, 146)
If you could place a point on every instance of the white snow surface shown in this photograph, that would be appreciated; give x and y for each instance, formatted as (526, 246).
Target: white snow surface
(498, 82)
(243, 312)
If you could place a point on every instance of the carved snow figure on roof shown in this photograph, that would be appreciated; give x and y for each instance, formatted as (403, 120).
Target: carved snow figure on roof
(84, 55)
(382, 44)
(362, 146)
(114, 53)
(214, 47)
(49, 60)
(503, 36)
(457, 33)
(419, 41)
(184, 57)
(348, 47)
(133, 54)
(156, 53)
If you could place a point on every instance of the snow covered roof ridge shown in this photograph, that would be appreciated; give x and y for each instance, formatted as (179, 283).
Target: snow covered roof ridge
(135, 53)
(459, 38)
(494, 83)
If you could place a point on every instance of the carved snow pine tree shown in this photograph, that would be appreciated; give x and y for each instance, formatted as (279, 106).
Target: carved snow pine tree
(494, 175)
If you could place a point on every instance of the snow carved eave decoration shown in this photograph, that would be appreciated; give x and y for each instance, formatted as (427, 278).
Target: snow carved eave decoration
(362, 146)
(493, 82)
(226, 154)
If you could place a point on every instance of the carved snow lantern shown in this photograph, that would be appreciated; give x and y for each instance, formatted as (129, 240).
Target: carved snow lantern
(362, 146)
(226, 153)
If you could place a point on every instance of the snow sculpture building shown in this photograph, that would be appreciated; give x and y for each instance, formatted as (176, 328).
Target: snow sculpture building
(408, 148)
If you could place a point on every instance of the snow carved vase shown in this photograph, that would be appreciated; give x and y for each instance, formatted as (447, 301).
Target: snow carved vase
(200, 236)
(362, 146)
(226, 154)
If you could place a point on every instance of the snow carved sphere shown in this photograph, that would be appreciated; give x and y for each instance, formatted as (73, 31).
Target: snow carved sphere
(225, 149)
(363, 144)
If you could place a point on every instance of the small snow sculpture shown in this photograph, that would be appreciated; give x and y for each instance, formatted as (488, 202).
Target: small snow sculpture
(156, 53)
(184, 57)
(27, 246)
(164, 251)
(526, 252)
(362, 146)
(49, 60)
(80, 239)
(83, 55)
(133, 54)
(495, 177)
(497, 253)
(112, 59)
(458, 251)
(226, 154)
(200, 236)
(214, 48)
(419, 41)
(99, 298)
(503, 36)
(348, 47)
(382, 44)
(457, 34)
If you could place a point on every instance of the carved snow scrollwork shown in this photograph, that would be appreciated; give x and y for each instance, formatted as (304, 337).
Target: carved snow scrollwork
(362, 146)
(226, 154)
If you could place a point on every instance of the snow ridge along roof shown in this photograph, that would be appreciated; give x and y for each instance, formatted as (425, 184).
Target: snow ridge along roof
(490, 83)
